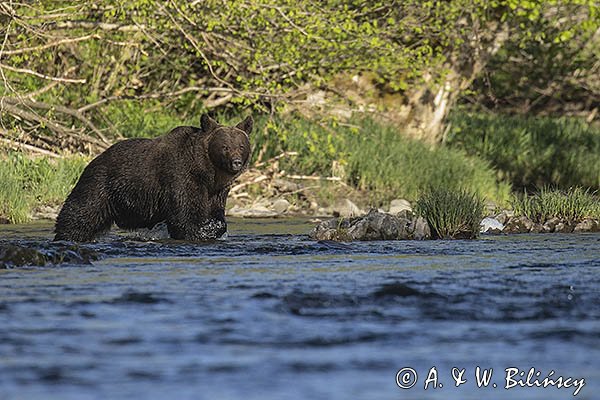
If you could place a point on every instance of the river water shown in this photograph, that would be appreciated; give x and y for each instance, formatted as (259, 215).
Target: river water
(269, 314)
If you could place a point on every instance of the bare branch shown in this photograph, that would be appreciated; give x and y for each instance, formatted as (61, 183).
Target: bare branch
(48, 45)
(39, 75)
(52, 125)
(154, 96)
(105, 26)
(24, 146)
(272, 160)
(58, 108)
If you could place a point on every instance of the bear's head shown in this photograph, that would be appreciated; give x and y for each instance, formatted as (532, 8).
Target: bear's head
(228, 146)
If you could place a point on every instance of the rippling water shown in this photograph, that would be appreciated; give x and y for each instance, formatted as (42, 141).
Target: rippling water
(269, 314)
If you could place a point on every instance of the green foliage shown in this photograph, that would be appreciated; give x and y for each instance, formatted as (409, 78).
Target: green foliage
(145, 119)
(572, 205)
(549, 66)
(531, 151)
(451, 214)
(27, 183)
(372, 158)
(266, 48)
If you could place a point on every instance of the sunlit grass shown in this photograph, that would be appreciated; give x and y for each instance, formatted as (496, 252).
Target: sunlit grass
(571, 205)
(27, 183)
(374, 158)
(531, 152)
(451, 214)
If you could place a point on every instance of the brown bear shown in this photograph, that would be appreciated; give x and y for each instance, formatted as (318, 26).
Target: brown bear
(181, 178)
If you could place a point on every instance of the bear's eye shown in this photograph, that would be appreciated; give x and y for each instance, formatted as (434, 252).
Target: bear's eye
(225, 147)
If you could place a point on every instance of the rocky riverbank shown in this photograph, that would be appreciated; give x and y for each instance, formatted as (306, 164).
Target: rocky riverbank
(405, 225)
(507, 222)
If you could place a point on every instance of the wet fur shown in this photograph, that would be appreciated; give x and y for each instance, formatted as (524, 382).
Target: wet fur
(181, 178)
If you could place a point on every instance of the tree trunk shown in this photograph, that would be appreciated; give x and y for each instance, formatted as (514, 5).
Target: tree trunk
(421, 112)
(426, 108)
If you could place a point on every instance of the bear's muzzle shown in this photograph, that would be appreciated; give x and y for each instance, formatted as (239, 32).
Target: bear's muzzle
(237, 164)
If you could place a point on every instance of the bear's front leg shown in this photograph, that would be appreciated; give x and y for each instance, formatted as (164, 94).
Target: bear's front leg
(206, 229)
(198, 218)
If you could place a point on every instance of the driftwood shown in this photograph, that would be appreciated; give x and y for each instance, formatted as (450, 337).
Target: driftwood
(58, 108)
(16, 110)
(16, 145)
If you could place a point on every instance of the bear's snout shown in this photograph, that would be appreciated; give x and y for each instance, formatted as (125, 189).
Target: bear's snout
(237, 164)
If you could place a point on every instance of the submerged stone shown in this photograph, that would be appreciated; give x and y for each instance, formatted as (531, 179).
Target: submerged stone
(17, 256)
(587, 225)
(376, 225)
(519, 224)
(14, 255)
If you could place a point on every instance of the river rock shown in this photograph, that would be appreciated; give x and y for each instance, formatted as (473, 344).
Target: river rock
(257, 211)
(537, 228)
(46, 212)
(346, 208)
(399, 205)
(280, 206)
(519, 224)
(491, 225)
(550, 225)
(504, 216)
(373, 226)
(284, 186)
(13, 255)
(419, 229)
(563, 227)
(587, 225)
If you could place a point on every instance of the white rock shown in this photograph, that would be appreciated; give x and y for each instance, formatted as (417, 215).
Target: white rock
(280, 206)
(346, 208)
(251, 212)
(398, 205)
(490, 225)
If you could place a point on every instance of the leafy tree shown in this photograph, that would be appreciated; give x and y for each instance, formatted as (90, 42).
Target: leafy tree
(64, 62)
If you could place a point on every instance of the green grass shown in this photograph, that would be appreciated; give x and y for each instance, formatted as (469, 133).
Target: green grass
(572, 205)
(27, 183)
(531, 152)
(451, 214)
(373, 158)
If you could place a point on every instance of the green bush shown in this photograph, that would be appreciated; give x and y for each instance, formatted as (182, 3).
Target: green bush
(451, 214)
(531, 152)
(572, 205)
(374, 158)
(27, 183)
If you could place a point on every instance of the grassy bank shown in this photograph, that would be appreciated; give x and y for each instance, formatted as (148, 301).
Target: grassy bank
(530, 152)
(484, 155)
(369, 157)
(572, 205)
(27, 183)
(374, 159)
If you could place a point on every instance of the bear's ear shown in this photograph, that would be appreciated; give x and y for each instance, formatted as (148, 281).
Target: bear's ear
(246, 125)
(207, 123)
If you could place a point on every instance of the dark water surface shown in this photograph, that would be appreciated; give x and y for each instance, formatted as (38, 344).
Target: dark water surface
(269, 314)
